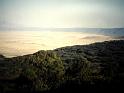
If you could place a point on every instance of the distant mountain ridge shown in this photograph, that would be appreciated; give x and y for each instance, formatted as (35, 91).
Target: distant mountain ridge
(103, 31)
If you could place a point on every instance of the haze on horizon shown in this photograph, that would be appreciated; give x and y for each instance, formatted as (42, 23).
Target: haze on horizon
(61, 13)
(18, 15)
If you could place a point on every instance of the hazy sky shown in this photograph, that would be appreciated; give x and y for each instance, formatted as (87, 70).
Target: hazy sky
(61, 13)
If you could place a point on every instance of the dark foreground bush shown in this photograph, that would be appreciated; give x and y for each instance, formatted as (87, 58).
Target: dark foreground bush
(97, 67)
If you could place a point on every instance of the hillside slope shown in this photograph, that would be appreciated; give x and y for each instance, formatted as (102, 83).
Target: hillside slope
(95, 67)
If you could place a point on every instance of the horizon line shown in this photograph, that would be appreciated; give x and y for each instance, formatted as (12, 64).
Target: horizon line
(14, 28)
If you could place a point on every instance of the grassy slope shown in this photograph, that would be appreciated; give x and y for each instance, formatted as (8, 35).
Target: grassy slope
(93, 67)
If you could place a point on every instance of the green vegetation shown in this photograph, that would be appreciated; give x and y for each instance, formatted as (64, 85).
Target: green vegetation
(96, 65)
(40, 71)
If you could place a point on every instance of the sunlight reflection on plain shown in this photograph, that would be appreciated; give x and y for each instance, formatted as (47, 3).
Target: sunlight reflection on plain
(15, 43)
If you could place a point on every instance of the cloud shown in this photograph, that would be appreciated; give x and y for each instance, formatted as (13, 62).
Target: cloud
(15, 43)
(119, 37)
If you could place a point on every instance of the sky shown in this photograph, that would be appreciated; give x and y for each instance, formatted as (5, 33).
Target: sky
(61, 13)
